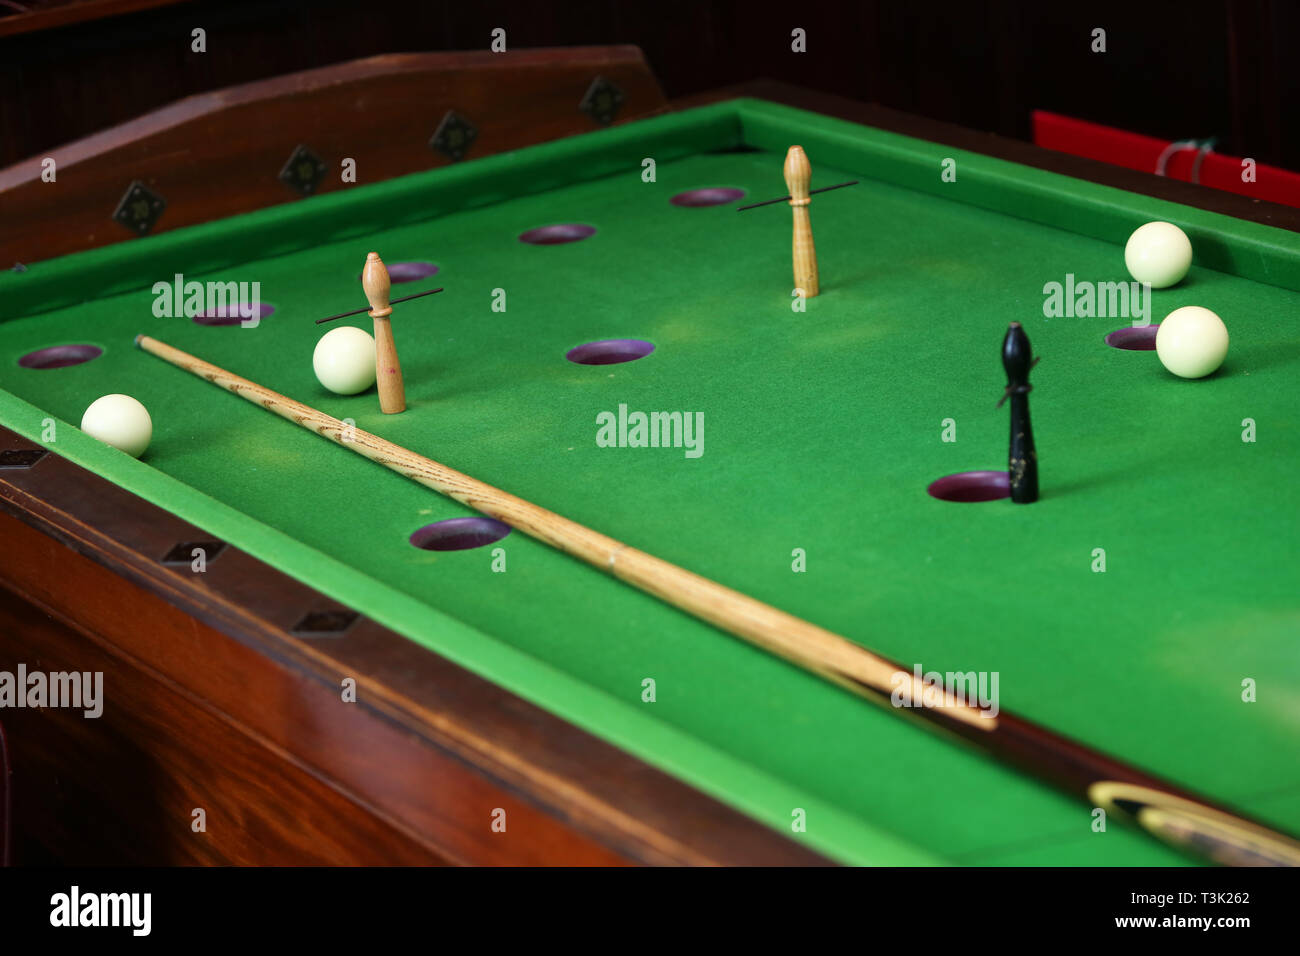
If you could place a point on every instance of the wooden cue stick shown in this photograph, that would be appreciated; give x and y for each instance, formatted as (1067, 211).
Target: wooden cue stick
(1175, 815)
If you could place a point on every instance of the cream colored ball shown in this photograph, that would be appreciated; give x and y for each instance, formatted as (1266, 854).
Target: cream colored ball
(1192, 342)
(1159, 253)
(120, 421)
(344, 360)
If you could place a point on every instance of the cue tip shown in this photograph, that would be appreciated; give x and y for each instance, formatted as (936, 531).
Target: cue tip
(137, 339)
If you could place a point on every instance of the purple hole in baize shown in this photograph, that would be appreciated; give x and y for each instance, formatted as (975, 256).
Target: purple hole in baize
(233, 314)
(408, 271)
(610, 352)
(970, 486)
(717, 196)
(459, 534)
(60, 356)
(1134, 339)
(557, 234)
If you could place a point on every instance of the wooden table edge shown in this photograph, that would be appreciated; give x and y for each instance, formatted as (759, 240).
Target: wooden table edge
(563, 770)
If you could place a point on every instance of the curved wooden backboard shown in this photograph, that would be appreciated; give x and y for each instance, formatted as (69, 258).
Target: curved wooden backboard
(221, 153)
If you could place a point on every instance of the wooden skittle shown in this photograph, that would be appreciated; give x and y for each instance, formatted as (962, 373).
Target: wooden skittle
(798, 174)
(388, 371)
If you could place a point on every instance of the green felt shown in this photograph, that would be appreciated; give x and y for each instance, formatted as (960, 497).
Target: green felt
(822, 431)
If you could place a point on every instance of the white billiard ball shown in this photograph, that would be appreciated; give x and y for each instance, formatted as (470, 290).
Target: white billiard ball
(344, 360)
(1192, 341)
(120, 421)
(1159, 253)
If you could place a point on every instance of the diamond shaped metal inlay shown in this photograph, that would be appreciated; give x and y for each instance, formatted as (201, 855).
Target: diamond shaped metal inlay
(139, 208)
(454, 136)
(303, 171)
(325, 623)
(601, 101)
(20, 457)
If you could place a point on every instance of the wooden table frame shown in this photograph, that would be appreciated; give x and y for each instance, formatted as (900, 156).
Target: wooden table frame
(215, 702)
(225, 152)
(219, 702)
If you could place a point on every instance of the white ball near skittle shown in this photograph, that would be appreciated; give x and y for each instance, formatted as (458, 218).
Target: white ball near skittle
(120, 421)
(344, 360)
(1159, 253)
(1192, 342)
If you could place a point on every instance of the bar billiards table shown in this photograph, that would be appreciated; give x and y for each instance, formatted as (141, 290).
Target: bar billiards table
(606, 725)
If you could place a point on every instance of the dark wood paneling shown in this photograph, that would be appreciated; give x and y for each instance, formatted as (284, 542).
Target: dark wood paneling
(1264, 80)
(33, 16)
(1199, 68)
(121, 788)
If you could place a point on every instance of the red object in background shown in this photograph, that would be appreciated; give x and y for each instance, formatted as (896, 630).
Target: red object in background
(1135, 151)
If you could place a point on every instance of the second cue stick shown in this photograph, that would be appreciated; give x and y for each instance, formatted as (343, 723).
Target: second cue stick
(1187, 821)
